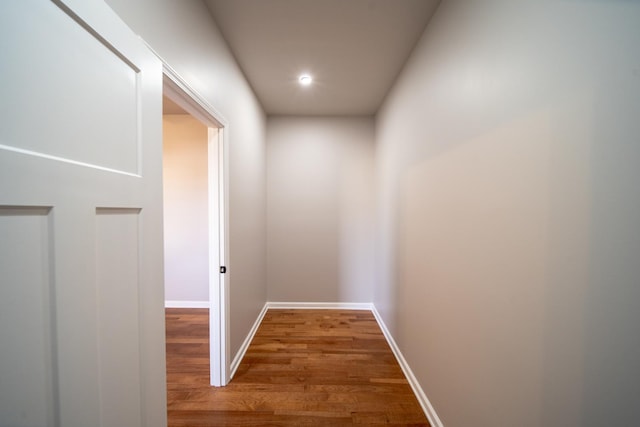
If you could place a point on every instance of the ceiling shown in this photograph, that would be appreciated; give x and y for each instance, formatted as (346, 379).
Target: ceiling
(354, 49)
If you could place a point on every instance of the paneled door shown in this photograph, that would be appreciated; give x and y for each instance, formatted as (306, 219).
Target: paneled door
(81, 275)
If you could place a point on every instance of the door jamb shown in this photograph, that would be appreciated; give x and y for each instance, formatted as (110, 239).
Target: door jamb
(176, 89)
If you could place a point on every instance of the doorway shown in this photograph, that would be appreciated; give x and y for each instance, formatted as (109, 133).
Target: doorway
(207, 155)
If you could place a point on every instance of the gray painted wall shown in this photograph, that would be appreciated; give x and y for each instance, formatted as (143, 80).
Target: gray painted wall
(508, 178)
(508, 204)
(320, 208)
(184, 34)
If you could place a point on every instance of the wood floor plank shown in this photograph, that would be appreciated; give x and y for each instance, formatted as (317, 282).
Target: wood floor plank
(303, 367)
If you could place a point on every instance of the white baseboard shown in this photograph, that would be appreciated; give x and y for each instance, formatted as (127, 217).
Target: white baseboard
(245, 344)
(186, 304)
(320, 305)
(433, 418)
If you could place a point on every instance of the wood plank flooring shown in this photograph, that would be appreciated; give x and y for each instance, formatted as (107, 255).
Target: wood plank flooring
(303, 367)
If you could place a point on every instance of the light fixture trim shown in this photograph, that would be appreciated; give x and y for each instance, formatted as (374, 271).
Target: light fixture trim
(305, 79)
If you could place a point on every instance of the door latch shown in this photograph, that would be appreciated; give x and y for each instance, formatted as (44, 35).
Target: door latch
(223, 269)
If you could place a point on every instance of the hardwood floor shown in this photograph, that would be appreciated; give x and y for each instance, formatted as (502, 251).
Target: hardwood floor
(304, 367)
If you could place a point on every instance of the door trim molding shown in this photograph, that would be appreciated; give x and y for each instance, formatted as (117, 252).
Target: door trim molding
(179, 91)
(176, 86)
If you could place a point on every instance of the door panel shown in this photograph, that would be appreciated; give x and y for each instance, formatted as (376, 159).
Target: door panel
(80, 219)
(50, 72)
(117, 272)
(26, 371)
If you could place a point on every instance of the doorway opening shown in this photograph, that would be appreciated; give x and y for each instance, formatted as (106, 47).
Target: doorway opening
(195, 214)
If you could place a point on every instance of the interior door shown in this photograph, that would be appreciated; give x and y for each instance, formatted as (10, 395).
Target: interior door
(81, 293)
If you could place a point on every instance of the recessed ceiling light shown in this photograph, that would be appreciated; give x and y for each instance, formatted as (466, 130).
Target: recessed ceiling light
(305, 79)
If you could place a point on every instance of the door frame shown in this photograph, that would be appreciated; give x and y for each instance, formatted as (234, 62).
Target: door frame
(176, 88)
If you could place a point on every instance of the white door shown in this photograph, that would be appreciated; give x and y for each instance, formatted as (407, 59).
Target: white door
(81, 277)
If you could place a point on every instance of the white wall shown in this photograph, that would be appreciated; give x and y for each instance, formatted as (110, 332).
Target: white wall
(186, 223)
(184, 34)
(320, 209)
(508, 174)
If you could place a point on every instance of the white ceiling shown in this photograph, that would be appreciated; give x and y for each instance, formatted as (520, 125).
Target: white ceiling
(354, 49)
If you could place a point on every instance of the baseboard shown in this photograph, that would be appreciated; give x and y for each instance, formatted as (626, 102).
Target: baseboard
(245, 345)
(320, 305)
(433, 418)
(186, 304)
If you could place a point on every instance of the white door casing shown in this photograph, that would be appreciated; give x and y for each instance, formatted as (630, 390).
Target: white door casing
(218, 292)
(81, 293)
(177, 89)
